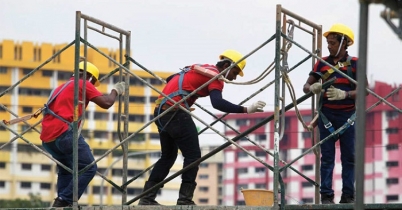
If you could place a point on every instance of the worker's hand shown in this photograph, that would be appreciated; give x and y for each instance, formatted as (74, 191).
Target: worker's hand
(119, 87)
(316, 88)
(335, 94)
(256, 107)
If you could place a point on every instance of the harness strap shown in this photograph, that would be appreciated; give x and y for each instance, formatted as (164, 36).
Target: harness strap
(47, 110)
(338, 65)
(327, 123)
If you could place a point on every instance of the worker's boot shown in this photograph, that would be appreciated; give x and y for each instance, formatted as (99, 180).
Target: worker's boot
(186, 194)
(327, 199)
(347, 199)
(149, 198)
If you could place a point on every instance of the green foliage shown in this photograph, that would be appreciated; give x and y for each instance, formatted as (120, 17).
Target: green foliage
(34, 201)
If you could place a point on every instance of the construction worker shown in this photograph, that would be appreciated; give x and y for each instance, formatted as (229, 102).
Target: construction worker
(337, 105)
(177, 129)
(57, 132)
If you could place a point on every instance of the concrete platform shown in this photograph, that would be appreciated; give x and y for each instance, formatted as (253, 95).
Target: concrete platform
(287, 207)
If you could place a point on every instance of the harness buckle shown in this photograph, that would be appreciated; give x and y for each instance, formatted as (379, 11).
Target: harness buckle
(328, 125)
(351, 122)
(340, 65)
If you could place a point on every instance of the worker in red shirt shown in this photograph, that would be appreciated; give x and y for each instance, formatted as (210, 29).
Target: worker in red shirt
(177, 129)
(57, 132)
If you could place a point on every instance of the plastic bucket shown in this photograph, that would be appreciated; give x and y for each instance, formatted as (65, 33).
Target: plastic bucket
(258, 197)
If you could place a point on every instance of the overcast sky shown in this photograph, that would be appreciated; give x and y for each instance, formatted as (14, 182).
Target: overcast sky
(167, 35)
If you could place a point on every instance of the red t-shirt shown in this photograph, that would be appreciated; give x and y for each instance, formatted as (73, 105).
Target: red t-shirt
(63, 106)
(193, 80)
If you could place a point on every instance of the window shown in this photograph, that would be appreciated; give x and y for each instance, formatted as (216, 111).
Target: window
(204, 189)
(26, 71)
(136, 118)
(241, 122)
(45, 185)
(242, 186)
(392, 115)
(117, 172)
(45, 167)
(138, 99)
(154, 135)
(63, 75)
(259, 170)
(306, 135)
(2, 165)
(307, 167)
(3, 70)
(240, 203)
(26, 185)
(203, 165)
(392, 163)
(392, 198)
(391, 181)
(156, 81)
(1, 51)
(101, 134)
(135, 81)
(101, 116)
(27, 109)
(306, 184)
(26, 166)
(392, 130)
(392, 147)
(203, 176)
(2, 184)
(261, 137)
(203, 200)
(241, 154)
(134, 191)
(307, 200)
(260, 154)
(242, 171)
(260, 186)
(47, 73)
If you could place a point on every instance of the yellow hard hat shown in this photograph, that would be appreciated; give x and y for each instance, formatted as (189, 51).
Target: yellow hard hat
(342, 29)
(234, 56)
(91, 69)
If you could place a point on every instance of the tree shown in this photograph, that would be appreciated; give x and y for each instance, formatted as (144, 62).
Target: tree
(34, 201)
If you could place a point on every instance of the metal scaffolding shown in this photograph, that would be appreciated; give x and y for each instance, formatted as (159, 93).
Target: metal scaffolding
(286, 21)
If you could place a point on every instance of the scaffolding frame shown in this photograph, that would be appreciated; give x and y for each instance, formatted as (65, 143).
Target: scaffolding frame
(278, 117)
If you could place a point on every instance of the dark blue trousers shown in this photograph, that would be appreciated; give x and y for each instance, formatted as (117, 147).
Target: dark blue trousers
(347, 148)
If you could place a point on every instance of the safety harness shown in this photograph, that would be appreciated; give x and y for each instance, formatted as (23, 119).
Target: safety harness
(46, 110)
(180, 92)
(351, 119)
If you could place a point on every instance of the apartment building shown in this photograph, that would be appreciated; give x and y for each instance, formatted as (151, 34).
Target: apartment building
(25, 170)
(383, 160)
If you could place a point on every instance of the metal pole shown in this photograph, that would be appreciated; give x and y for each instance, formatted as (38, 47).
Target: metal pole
(361, 104)
(75, 116)
(276, 113)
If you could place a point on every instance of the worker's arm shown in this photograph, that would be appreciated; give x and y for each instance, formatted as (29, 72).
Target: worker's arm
(310, 81)
(105, 101)
(223, 105)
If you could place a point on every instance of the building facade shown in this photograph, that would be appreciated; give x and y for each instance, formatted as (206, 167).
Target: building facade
(382, 160)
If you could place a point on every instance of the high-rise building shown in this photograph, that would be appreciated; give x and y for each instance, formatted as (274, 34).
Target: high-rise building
(383, 160)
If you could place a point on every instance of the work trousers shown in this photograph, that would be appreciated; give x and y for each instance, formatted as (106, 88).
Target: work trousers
(347, 148)
(62, 150)
(177, 130)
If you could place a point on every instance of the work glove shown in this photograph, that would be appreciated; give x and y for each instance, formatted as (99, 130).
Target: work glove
(119, 87)
(335, 94)
(256, 107)
(316, 88)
